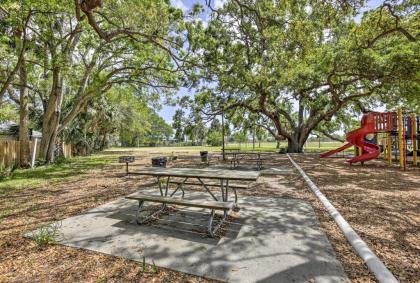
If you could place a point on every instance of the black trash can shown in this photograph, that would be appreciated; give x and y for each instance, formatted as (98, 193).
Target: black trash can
(204, 156)
(159, 161)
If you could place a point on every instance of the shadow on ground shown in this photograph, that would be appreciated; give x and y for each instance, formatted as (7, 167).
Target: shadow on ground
(268, 240)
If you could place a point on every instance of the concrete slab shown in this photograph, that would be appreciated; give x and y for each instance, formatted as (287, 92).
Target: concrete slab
(268, 240)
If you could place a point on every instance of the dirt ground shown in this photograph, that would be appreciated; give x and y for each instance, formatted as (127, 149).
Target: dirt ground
(381, 204)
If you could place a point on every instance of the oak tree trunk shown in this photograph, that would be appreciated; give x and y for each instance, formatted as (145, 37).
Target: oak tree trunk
(51, 119)
(23, 118)
(293, 146)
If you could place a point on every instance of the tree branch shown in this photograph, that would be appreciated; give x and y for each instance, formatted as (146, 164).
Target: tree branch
(19, 62)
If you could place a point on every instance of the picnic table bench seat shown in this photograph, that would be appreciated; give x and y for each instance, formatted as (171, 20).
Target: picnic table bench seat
(233, 187)
(226, 207)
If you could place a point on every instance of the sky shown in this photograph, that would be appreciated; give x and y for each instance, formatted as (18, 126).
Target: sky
(167, 112)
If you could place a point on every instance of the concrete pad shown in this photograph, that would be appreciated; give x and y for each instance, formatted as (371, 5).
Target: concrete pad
(268, 240)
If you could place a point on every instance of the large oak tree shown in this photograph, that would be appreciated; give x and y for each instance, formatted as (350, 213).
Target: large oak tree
(298, 64)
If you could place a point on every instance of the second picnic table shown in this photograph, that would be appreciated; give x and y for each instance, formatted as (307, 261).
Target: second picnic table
(254, 156)
(223, 176)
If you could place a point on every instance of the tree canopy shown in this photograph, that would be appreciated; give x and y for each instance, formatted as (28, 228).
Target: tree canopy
(303, 66)
(89, 72)
(53, 53)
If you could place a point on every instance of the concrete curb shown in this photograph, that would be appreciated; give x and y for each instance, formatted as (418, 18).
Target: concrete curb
(374, 264)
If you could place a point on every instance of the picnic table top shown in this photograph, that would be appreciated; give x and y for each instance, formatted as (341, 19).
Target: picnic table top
(205, 173)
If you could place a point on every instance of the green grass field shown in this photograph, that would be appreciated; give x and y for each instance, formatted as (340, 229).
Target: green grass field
(264, 146)
(70, 168)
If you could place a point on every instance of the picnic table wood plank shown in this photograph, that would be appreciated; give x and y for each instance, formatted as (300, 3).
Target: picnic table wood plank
(220, 205)
(205, 173)
(235, 186)
(250, 159)
(248, 153)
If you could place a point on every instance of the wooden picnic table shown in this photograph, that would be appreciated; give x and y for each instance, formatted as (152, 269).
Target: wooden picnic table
(231, 149)
(222, 175)
(255, 156)
(248, 153)
(200, 174)
(205, 173)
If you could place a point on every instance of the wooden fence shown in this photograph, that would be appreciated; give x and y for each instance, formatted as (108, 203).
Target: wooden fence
(10, 149)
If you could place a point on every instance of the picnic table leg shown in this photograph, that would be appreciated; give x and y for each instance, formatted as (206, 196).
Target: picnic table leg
(207, 189)
(226, 190)
(160, 186)
(161, 190)
(224, 186)
(180, 187)
(147, 218)
(222, 189)
(138, 212)
(210, 228)
(233, 164)
(210, 225)
(167, 186)
(226, 197)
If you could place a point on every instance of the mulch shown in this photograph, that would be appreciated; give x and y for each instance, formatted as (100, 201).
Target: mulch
(381, 203)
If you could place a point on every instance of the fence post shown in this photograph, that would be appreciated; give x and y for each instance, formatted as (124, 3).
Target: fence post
(34, 153)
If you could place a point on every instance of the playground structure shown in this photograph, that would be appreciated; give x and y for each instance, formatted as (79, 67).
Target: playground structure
(392, 133)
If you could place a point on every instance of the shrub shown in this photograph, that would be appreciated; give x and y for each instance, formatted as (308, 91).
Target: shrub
(7, 172)
(215, 139)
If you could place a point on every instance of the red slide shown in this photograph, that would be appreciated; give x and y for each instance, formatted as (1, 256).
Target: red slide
(357, 138)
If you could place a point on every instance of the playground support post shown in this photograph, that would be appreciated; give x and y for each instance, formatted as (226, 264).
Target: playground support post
(414, 138)
(389, 148)
(401, 139)
(384, 144)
